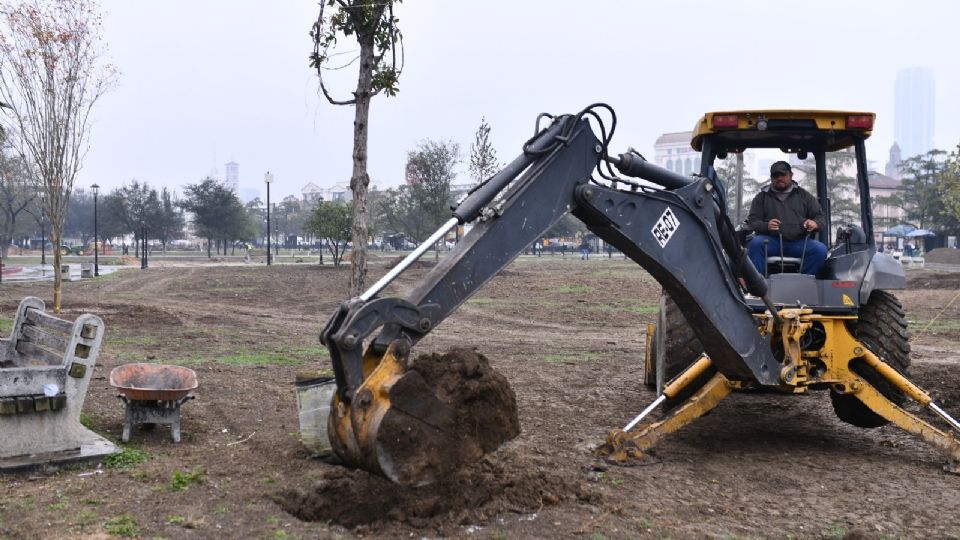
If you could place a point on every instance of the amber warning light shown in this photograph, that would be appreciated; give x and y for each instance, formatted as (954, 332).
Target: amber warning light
(864, 121)
(725, 121)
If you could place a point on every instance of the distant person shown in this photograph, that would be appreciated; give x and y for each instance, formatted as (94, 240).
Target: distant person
(908, 249)
(785, 210)
(584, 250)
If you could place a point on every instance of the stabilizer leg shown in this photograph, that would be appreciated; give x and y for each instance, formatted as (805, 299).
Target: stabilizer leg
(907, 421)
(622, 446)
(878, 403)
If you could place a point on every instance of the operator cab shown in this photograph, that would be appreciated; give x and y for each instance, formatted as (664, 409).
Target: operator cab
(827, 154)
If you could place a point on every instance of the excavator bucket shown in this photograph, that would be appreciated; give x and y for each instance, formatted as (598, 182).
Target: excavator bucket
(410, 429)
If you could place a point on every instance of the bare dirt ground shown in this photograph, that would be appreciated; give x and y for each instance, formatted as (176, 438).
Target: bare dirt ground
(568, 335)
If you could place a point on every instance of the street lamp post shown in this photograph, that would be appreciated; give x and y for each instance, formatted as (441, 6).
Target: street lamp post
(268, 178)
(43, 242)
(96, 247)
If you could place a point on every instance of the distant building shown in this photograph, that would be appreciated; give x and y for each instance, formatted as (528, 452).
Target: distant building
(232, 179)
(893, 164)
(673, 152)
(914, 111)
(312, 192)
(885, 214)
(339, 192)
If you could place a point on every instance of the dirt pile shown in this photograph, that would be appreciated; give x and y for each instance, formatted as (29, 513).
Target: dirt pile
(943, 256)
(499, 483)
(440, 413)
(936, 280)
(476, 411)
(483, 404)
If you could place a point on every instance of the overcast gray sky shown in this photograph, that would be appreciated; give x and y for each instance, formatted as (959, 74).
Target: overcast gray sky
(206, 82)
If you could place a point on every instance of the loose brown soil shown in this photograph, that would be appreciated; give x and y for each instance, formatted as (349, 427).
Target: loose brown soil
(569, 337)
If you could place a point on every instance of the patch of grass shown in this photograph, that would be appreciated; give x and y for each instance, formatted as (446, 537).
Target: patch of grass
(939, 325)
(123, 525)
(257, 359)
(280, 534)
(133, 341)
(86, 420)
(126, 458)
(606, 478)
(480, 301)
(84, 517)
(139, 475)
(574, 289)
(628, 307)
(318, 350)
(220, 509)
(570, 358)
(182, 480)
(836, 530)
(598, 536)
(6, 325)
(176, 519)
(60, 504)
(261, 359)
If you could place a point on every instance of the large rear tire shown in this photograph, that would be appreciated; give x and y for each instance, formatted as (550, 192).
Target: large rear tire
(882, 327)
(674, 348)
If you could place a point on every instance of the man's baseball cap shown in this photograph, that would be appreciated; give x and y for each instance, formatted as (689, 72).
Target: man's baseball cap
(779, 167)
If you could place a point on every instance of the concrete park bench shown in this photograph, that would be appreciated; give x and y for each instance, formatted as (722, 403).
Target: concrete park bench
(45, 369)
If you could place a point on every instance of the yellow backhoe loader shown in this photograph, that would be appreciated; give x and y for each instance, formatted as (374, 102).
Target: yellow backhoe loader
(724, 325)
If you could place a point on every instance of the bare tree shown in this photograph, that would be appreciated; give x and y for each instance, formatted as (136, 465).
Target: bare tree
(373, 25)
(51, 75)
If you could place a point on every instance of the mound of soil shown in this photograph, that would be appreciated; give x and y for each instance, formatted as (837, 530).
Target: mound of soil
(483, 404)
(499, 483)
(445, 412)
(943, 256)
(476, 411)
(934, 281)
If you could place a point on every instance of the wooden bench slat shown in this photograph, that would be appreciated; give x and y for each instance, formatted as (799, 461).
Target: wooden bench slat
(44, 320)
(36, 335)
(32, 350)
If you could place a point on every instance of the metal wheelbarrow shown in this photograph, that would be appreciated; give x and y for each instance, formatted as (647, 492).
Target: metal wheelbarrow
(153, 394)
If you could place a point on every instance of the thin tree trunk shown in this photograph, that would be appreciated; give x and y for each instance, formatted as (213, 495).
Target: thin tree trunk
(360, 180)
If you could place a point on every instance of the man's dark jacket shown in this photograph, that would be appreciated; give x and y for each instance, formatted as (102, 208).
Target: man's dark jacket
(798, 207)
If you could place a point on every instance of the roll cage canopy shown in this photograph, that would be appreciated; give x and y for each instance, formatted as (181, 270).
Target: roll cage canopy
(800, 132)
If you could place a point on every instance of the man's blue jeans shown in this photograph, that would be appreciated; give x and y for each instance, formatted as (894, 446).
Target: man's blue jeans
(813, 259)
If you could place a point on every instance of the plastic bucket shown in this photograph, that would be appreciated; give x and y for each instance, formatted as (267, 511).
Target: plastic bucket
(314, 395)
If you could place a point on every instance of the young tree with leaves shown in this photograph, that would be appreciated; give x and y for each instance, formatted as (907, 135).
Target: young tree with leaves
(51, 75)
(921, 199)
(167, 223)
(419, 208)
(374, 26)
(842, 188)
(727, 173)
(332, 222)
(483, 158)
(217, 213)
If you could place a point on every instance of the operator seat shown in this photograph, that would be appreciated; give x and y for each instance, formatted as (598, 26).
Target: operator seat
(783, 265)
